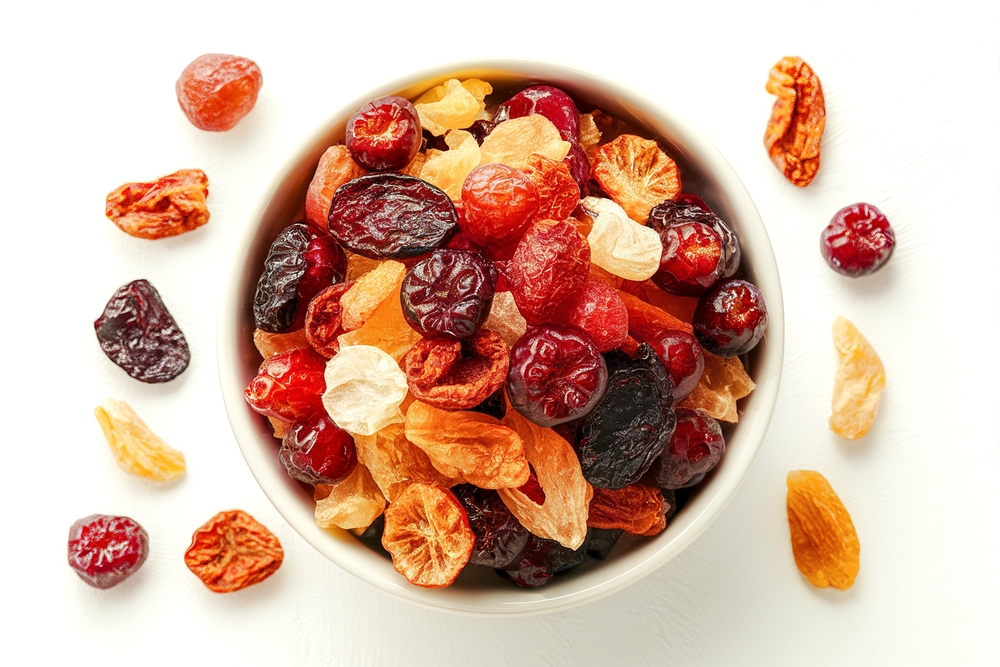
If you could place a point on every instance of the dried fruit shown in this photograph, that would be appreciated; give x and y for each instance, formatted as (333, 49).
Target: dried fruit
(106, 550)
(514, 141)
(797, 120)
(600, 541)
(448, 169)
(723, 382)
(453, 105)
(216, 90)
(448, 295)
(548, 269)
(637, 508)
(288, 385)
(138, 333)
(500, 537)
(317, 451)
(453, 376)
(682, 356)
(136, 448)
(693, 258)
(636, 173)
(364, 389)
(548, 101)
(858, 241)
(336, 167)
(168, 206)
(824, 542)
(858, 385)
(385, 329)
(505, 318)
(695, 448)
(620, 245)
(232, 551)
(394, 462)
(468, 445)
(498, 203)
(387, 215)
(731, 318)
(324, 319)
(369, 291)
(384, 133)
(599, 312)
(271, 344)
(646, 322)
(540, 560)
(353, 503)
(691, 208)
(558, 191)
(427, 533)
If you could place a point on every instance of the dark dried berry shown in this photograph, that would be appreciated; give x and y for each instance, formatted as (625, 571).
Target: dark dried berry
(105, 550)
(372, 537)
(694, 449)
(479, 130)
(391, 216)
(731, 318)
(541, 559)
(326, 265)
(275, 303)
(691, 208)
(858, 240)
(500, 537)
(495, 405)
(138, 333)
(448, 295)
(384, 134)
(627, 430)
(317, 451)
(600, 542)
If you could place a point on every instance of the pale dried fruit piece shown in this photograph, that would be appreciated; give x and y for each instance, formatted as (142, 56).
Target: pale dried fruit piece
(638, 508)
(513, 141)
(448, 169)
(359, 265)
(233, 551)
(453, 105)
(858, 384)
(394, 462)
(562, 516)
(335, 168)
(797, 121)
(369, 290)
(620, 245)
(637, 174)
(505, 319)
(364, 389)
(590, 134)
(169, 206)
(386, 328)
(353, 503)
(428, 535)
(723, 382)
(136, 448)
(271, 344)
(468, 445)
(824, 542)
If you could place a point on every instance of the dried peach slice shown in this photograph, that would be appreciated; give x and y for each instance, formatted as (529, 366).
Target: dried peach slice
(394, 462)
(137, 449)
(824, 542)
(448, 169)
(271, 344)
(513, 141)
(370, 289)
(453, 105)
(428, 535)
(637, 174)
(858, 385)
(723, 382)
(352, 503)
(335, 168)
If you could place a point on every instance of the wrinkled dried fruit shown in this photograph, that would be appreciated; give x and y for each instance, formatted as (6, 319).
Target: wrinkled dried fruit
(216, 90)
(288, 385)
(824, 542)
(858, 240)
(540, 560)
(600, 541)
(168, 206)
(336, 167)
(599, 312)
(590, 134)
(448, 295)
(858, 385)
(723, 382)
(427, 533)
(106, 550)
(691, 208)
(637, 508)
(386, 329)
(514, 141)
(136, 448)
(232, 551)
(693, 258)
(317, 451)
(548, 269)
(271, 344)
(384, 133)
(468, 445)
(387, 215)
(731, 318)
(324, 320)
(546, 101)
(695, 448)
(498, 203)
(620, 245)
(636, 173)
(797, 120)
(364, 389)
(558, 191)
(453, 105)
(353, 503)
(394, 462)
(683, 357)
(453, 376)
(138, 333)
(500, 537)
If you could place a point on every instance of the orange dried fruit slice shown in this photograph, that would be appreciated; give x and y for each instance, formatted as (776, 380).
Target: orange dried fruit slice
(394, 462)
(448, 169)
(370, 290)
(136, 448)
(638, 508)
(385, 328)
(858, 384)
(681, 307)
(824, 542)
(513, 141)
(271, 344)
(637, 174)
(335, 168)
(427, 534)
(646, 321)
(359, 265)
(352, 503)
(723, 382)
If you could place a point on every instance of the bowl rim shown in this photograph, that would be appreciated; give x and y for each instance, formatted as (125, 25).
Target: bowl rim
(340, 547)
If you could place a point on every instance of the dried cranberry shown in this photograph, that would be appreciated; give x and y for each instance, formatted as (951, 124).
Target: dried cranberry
(621, 437)
(324, 319)
(392, 216)
(548, 270)
(326, 264)
(556, 375)
(692, 259)
(498, 203)
(601, 313)
(384, 134)
(275, 303)
(448, 295)
(288, 386)
(858, 241)
(317, 451)
(681, 355)
(691, 208)
(138, 333)
(731, 318)
(547, 101)
(500, 537)
(106, 550)
(695, 448)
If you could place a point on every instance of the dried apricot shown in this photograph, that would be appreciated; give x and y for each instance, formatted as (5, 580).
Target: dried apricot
(353, 503)
(638, 508)
(232, 551)
(272, 344)
(723, 382)
(637, 174)
(168, 206)
(137, 449)
(336, 167)
(824, 542)
(858, 385)
(797, 120)
(369, 290)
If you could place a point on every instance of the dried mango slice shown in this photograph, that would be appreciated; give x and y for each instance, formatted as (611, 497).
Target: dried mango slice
(562, 516)
(638, 508)
(369, 290)
(513, 141)
(427, 534)
(453, 105)
(824, 542)
(385, 328)
(359, 265)
(448, 169)
(646, 321)
(637, 174)
(723, 382)
(353, 503)
(394, 462)
(681, 307)
(271, 344)
(137, 449)
(858, 384)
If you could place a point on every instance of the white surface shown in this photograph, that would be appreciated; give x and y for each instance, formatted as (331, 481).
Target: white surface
(911, 101)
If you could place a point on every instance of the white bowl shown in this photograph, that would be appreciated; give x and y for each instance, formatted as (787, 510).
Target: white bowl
(703, 171)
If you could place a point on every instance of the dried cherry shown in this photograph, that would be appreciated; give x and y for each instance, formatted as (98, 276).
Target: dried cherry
(500, 537)
(691, 208)
(601, 314)
(216, 90)
(138, 333)
(326, 264)
(384, 133)
(694, 449)
(858, 241)
(731, 318)
(548, 269)
(692, 259)
(498, 203)
(682, 356)
(106, 550)
(448, 295)
(288, 386)
(317, 451)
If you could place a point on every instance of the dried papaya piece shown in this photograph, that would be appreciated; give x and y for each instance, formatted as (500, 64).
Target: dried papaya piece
(336, 167)
(272, 344)
(385, 328)
(646, 321)
(723, 382)
(452, 105)
(369, 290)
(352, 503)
(858, 384)
(136, 448)
(824, 542)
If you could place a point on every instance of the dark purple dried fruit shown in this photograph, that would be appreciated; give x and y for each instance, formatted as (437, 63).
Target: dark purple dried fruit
(600, 542)
(621, 437)
(391, 216)
(495, 405)
(138, 333)
(275, 302)
(500, 537)
(731, 318)
(448, 295)
(671, 213)
(540, 560)
(694, 449)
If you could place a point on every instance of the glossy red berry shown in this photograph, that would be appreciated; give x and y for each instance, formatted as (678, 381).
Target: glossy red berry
(694, 449)
(681, 355)
(317, 451)
(858, 241)
(730, 318)
(498, 203)
(105, 550)
(384, 134)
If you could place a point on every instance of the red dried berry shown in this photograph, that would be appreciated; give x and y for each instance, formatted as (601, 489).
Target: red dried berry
(692, 259)
(547, 101)
(106, 550)
(326, 264)
(288, 386)
(448, 295)
(216, 90)
(498, 203)
(384, 134)
(601, 314)
(681, 355)
(317, 451)
(695, 448)
(324, 322)
(858, 240)
(691, 208)
(548, 270)
(731, 318)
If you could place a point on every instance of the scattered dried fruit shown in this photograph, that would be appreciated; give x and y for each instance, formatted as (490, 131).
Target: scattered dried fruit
(106, 550)
(217, 90)
(858, 385)
(168, 206)
(858, 241)
(797, 120)
(136, 448)
(232, 551)
(824, 542)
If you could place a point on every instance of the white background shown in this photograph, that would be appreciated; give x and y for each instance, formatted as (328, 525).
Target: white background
(912, 97)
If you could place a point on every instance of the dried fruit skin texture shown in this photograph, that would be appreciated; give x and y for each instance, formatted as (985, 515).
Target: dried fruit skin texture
(216, 90)
(824, 542)
(549, 268)
(394, 462)
(288, 385)
(722, 383)
(858, 384)
(335, 168)
(453, 376)
(353, 503)
(797, 120)
(637, 174)
(105, 550)
(514, 141)
(453, 105)
(168, 206)
(136, 448)
(364, 389)
(384, 134)
(232, 551)
(637, 508)
(858, 241)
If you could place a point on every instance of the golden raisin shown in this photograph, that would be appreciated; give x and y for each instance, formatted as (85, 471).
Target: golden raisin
(169, 206)
(137, 449)
(857, 387)
(797, 120)
(232, 551)
(824, 542)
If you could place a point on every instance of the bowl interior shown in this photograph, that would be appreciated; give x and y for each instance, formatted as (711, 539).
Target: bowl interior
(703, 171)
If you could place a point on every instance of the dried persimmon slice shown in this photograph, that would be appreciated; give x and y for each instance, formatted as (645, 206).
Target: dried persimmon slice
(427, 534)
